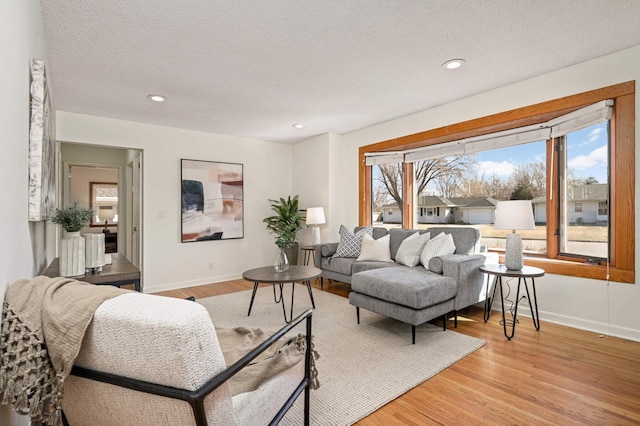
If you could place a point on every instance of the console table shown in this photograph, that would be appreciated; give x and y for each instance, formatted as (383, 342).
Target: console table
(527, 272)
(118, 273)
(295, 273)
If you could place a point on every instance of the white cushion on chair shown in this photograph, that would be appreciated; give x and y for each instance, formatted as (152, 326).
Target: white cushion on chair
(170, 342)
(152, 338)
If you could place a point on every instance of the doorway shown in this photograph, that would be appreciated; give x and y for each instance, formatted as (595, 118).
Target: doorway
(103, 178)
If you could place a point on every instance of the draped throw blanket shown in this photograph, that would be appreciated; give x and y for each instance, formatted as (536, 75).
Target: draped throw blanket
(282, 355)
(43, 323)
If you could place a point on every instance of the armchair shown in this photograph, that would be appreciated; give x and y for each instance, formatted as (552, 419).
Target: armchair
(156, 360)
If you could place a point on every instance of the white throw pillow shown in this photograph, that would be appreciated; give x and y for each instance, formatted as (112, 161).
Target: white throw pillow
(409, 251)
(432, 248)
(375, 249)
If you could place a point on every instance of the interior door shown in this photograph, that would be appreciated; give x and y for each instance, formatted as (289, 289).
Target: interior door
(136, 209)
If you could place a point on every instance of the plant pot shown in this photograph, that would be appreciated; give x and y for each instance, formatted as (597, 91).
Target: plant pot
(292, 254)
(94, 251)
(72, 255)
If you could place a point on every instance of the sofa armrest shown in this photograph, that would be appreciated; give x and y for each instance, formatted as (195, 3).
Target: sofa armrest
(465, 269)
(461, 266)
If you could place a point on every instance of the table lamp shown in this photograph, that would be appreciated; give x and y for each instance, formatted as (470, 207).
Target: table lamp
(106, 213)
(315, 216)
(514, 214)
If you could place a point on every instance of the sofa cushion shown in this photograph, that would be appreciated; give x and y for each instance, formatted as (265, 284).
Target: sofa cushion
(375, 249)
(368, 265)
(466, 239)
(350, 242)
(416, 287)
(341, 265)
(409, 251)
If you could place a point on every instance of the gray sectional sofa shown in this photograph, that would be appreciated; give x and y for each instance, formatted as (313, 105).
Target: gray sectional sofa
(416, 294)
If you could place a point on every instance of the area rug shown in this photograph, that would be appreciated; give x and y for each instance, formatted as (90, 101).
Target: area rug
(361, 367)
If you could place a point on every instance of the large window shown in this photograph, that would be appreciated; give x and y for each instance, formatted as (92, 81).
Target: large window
(574, 162)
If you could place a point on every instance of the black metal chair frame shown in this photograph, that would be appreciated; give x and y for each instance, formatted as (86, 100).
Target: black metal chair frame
(196, 398)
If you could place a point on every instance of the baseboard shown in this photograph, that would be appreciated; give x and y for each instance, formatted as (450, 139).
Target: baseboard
(192, 283)
(582, 324)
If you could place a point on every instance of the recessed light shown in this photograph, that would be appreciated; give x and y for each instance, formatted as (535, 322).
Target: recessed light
(157, 98)
(297, 126)
(453, 64)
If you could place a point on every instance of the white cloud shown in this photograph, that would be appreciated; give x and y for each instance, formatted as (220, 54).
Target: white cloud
(594, 135)
(490, 168)
(596, 158)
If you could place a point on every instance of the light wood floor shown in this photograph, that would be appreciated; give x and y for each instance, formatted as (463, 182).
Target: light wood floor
(557, 376)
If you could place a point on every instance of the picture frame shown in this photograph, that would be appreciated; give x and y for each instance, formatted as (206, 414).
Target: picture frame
(103, 199)
(212, 200)
(42, 147)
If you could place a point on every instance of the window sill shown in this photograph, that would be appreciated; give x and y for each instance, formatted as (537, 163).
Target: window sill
(580, 270)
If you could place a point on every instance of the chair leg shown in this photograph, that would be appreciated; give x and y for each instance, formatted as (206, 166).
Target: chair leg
(321, 284)
(358, 314)
(455, 319)
(444, 322)
(413, 334)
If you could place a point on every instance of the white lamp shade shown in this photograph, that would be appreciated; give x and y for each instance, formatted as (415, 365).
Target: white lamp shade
(514, 214)
(106, 213)
(315, 216)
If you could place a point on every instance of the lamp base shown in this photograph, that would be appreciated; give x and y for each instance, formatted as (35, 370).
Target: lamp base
(513, 252)
(315, 235)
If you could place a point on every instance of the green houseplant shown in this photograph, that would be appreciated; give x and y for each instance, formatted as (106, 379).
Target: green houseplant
(73, 218)
(286, 224)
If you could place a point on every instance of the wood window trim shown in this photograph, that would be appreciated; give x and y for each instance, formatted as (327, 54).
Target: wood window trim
(622, 182)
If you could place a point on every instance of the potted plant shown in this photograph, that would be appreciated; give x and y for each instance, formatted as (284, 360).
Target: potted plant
(73, 218)
(286, 224)
(72, 246)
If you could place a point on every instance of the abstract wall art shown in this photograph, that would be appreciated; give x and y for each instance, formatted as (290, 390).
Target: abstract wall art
(42, 147)
(212, 200)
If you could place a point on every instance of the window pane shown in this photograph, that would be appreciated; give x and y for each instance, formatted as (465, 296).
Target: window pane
(386, 195)
(584, 215)
(467, 193)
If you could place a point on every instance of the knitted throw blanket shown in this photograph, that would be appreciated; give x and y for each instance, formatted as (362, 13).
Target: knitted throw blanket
(280, 356)
(43, 324)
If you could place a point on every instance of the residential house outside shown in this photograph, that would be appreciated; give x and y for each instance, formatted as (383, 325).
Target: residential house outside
(586, 204)
(434, 209)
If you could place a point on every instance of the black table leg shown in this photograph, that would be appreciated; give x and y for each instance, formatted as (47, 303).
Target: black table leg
(253, 296)
(277, 299)
(488, 301)
(284, 310)
(534, 313)
(313, 303)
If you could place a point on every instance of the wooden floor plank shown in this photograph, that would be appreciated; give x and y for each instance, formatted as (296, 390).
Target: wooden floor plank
(558, 375)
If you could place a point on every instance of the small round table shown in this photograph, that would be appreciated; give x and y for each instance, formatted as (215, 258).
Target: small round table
(309, 252)
(295, 273)
(527, 272)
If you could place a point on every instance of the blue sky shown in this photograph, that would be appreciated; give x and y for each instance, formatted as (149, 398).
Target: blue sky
(587, 149)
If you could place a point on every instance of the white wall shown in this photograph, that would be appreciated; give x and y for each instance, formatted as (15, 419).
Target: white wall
(168, 263)
(609, 308)
(23, 247)
(312, 178)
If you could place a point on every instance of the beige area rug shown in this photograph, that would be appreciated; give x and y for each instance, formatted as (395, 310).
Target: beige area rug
(361, 367)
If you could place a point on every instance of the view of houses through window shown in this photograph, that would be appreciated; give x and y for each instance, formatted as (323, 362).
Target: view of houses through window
(463, 189)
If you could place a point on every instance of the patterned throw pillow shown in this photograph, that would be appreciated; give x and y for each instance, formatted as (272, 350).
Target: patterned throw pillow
(349, 245)
(432, 248)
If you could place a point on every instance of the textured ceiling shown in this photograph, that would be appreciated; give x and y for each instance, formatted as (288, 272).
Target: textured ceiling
(254, 68)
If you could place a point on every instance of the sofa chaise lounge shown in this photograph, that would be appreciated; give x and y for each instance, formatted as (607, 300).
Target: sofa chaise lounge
(412, 294)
